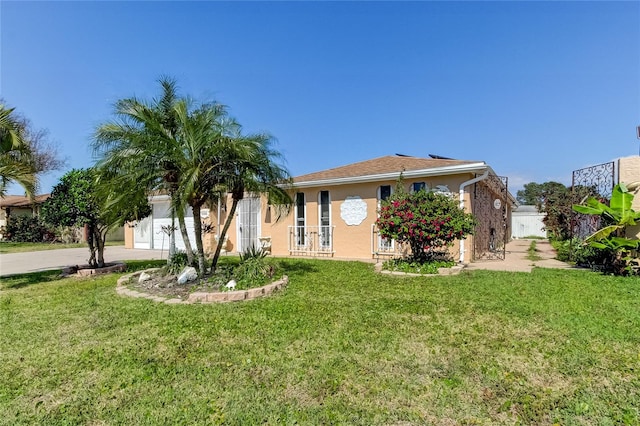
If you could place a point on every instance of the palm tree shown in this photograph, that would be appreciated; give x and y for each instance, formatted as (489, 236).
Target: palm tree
(251, 165)
(17, 163)
(193, 151)
(143, 142)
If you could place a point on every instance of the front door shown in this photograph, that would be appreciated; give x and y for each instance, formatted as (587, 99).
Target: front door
(248, 224)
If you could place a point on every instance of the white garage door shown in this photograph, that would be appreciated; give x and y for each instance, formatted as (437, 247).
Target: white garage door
(162, 217)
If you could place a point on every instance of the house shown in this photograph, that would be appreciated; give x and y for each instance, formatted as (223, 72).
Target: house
(335, 210)
(20, 205)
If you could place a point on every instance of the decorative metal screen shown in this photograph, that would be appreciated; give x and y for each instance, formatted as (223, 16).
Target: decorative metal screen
(597, 181)
(490, 209)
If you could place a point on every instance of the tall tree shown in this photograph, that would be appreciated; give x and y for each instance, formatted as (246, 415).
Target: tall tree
(194, 151)
(249, 164)
(25, 152)
(143, 141)
(16, 158)
(555, 200)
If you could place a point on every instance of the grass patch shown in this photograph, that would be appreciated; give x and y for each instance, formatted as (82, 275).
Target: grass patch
(342, 345)
(11, 247)
(407, 266)
(532, 252)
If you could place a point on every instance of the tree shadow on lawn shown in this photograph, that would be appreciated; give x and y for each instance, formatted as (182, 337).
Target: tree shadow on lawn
(295, 266)
(24, 280)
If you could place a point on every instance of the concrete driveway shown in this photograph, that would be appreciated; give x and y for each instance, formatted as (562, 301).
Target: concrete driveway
(35, 261)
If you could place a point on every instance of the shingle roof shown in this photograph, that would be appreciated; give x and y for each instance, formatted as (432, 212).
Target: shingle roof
(22, 201)
(381, 165)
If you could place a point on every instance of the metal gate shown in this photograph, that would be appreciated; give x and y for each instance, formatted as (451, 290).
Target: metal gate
(597, 181)
(248, 224)
(490, 209)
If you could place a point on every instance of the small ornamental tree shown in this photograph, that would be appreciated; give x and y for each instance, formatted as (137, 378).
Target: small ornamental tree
(83, 198)
(427, 221)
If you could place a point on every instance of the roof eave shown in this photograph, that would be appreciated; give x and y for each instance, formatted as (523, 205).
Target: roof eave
(437, 171)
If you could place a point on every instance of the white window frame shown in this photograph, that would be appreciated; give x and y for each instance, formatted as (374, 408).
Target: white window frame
(296, 222)
(320, 225)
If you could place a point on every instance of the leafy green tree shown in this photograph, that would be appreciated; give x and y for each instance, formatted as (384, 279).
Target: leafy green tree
(195, 152)
(427, 221)
(556, 201)
(248, 164)
(16, 158)
(80, 199)
(142, 144)
(24, 152)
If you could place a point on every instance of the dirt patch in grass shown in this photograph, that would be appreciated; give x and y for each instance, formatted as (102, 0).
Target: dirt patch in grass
(165, 284)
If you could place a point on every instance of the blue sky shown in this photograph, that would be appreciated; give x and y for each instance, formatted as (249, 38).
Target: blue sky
(535, 89)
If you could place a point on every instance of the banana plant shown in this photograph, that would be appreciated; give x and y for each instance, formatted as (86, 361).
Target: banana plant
(618, 213)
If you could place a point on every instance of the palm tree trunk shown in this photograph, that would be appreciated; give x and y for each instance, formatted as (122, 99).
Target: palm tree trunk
(227, 224)
(185, 237)
(100, 237)
(198, 230)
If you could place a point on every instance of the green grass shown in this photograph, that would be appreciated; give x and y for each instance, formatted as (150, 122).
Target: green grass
(11, 247)
(341, 345)
(532, 252)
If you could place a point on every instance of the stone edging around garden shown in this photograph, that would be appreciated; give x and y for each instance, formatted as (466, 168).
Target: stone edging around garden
(454, 270)
(202, 296)
(86, 270)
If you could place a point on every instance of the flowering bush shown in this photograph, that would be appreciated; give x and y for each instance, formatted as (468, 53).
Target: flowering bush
(427, 221)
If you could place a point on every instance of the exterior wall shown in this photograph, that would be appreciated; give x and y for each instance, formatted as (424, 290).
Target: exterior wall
(628, 172)
(349, 241)
(353, 241)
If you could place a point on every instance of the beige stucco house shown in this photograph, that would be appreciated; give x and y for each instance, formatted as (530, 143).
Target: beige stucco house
(335, 210)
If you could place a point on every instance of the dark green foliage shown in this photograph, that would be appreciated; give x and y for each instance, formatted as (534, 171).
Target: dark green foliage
(255, 271)
(403, 265)
(84, 198)
(616, 216)
(177, 262)
(28, 229)
(252, 252)
(427, 221)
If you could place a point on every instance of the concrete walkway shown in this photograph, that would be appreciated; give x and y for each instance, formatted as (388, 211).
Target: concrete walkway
(516, 258)
(36, 261)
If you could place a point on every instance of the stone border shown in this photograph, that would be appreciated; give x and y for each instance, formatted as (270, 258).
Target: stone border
(454, 270)
(86, 270)
(201, 296)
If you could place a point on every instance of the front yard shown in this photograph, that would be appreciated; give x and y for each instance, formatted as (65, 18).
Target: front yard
(341, 345)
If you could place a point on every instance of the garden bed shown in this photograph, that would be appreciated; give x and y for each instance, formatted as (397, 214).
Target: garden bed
(156, 289)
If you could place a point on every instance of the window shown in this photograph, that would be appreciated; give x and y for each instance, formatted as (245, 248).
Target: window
(325, 219)
(418, 186)
(300, 219)
(384, 192)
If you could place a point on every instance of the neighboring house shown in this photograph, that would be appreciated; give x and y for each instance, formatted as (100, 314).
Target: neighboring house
(19, 205)
(335, 210)
(527, 221)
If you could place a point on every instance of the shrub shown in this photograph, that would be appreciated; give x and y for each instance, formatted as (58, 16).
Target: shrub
(255, 269)
(427, 221)
(404, 265)
(177, 262)
(27, 229)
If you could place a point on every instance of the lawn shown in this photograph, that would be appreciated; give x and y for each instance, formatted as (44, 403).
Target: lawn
(341, 345)
(11, 247)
